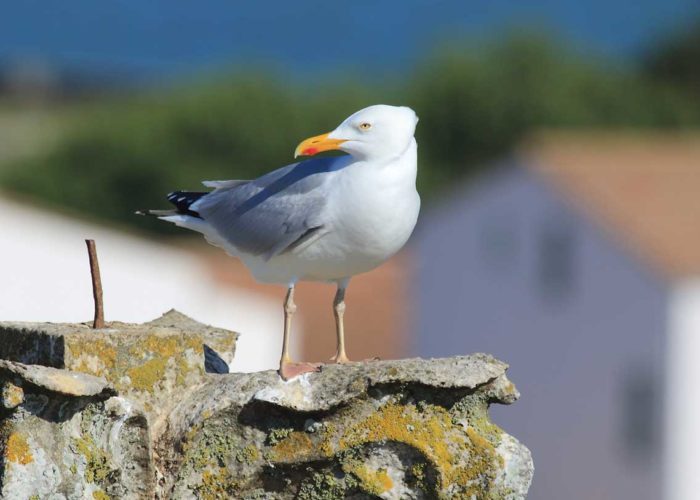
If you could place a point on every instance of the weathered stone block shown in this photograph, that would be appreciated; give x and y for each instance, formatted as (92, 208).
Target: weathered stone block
(390, 429)
(144, 420)
(151, 364)
(66, 435)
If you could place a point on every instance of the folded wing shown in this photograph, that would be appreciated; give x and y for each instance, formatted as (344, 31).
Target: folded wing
(274, 213)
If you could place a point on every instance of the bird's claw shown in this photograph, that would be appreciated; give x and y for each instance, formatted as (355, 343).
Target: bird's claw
(288, 369)
(340, 359)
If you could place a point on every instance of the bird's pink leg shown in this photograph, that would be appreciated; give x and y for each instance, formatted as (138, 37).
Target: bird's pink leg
(339, 312)
(289, 369)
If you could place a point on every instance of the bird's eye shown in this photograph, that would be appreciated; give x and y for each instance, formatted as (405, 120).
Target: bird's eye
(365, 126)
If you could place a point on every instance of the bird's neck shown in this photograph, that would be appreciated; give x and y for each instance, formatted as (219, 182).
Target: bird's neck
(398, 171)
(407, 154)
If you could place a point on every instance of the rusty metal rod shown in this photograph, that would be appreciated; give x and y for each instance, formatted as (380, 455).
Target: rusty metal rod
(99, 321)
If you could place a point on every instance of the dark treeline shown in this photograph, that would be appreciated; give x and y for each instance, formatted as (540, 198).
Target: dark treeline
(125, 153)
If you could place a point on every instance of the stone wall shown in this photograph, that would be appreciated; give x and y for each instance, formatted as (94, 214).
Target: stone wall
(383, 429)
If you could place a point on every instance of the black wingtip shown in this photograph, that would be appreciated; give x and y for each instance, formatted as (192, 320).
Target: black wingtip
(183, 200)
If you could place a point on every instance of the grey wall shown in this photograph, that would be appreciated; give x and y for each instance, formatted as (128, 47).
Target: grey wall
(507, 267)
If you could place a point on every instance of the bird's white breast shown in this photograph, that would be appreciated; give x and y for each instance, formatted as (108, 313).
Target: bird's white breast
(372, 210)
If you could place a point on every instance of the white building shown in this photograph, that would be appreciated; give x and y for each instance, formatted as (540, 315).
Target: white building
(45, 277)
(579, 264)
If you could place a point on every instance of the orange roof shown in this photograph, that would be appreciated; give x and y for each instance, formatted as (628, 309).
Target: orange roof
(643, 186)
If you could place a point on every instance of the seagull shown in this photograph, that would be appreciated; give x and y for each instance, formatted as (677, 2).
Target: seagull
(323, 219)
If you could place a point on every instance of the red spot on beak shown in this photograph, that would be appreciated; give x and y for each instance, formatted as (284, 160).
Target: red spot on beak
(310, 151)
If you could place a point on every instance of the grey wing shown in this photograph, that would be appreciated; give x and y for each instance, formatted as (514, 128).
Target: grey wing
(223, 184)
(270, 215)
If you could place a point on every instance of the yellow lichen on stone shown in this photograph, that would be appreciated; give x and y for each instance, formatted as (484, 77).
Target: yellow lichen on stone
(12, 395)
(164, 346)
(404, 424)
(293, 447)
(464, 457)
(183, 368)
(217, 485)
(326, 447)
(100, 495)
(373, 481)
(460, 459)
(384, 481)
(94, 356)
(483, 465)
(145, 377)
(97, 462)
(169, 346)
(151, 350)
(17, 449)
(477, 440)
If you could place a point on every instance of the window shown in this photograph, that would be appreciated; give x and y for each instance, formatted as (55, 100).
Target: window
(638, 418)
(556, 255)
(497, 242)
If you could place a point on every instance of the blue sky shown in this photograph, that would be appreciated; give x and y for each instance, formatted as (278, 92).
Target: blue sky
(158, 38)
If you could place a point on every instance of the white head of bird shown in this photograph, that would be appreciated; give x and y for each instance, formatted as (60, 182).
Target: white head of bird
(379, 132)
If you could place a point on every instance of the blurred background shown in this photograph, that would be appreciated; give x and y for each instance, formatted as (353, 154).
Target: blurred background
(559, 166)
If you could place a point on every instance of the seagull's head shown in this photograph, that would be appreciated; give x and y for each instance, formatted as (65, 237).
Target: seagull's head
(376, 132)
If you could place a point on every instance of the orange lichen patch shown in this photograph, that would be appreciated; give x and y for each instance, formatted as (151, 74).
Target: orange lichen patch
(373, 481)
(138, 359)
(216, 485)
(463, 456)
(384, 480)
(478, 440)
(12, 395)
(17, 449)
(293, 447)
(95, 356)
(465, 460)
(404, 424)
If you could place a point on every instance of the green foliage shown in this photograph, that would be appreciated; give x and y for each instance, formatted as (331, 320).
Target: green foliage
(676, 60)
(474, 105)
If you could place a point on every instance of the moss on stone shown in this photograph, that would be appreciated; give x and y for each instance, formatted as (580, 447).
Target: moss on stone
(461, 451)
(97, 467)
(416, 476)
(278, 434)
(214, 445)
(324, 486)
(248, 454)
(474, 410)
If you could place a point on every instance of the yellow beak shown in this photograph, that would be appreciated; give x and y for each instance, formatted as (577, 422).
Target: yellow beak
(317, 144)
